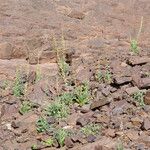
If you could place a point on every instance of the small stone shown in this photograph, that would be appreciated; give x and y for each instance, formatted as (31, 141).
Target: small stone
(146, 124)
(85, 108)
(102, 118)
(76, 14)
(106, 91)
(68, 142)
(91, 138)
(147, 98)
(123, 64)
(15, 125)
(132, 135)
(99, 103)
(132, 90)
(122, 80)
(136, 121)
(82, 121)
(110, 132)
(51, 120)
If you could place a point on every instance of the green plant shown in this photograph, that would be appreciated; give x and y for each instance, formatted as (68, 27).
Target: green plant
(82, 94)
(26, 106)
(60, 49)
(134, 42)
(99, 76)
(34, 147)
(48, 142)
(134, 46)
(66, 98)
(38, 74)
(42, 125)
(18, 88)
(120, 146)
(5, 84)
(60, 136)
(108, 75)
(139, 97)
(91, 129)
(63, 67)
(58, 110)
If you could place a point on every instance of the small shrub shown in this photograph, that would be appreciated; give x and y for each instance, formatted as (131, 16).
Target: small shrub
(63, 67)
(48, 142)
(82, 94)
(120, 146)
(90, 129)
(34, 147)
(99, 76)
(38, 74)
(108, 75)
(134, 46)
(60, 136)
(18, 88)
(66, 98)
(42, 125)
(58, 110)
(139, 97)
(25, 107)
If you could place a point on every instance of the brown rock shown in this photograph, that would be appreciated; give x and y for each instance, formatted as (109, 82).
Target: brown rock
(102, 118)
(5, 50)
(136, 121)
(68, 142)
(110, 132)
(146, 124)
(122, 80)
(76, 14)
(132, 135)
(138, 60)
(147, 98)
(132, 90)
(91, 138)
(145, 83)
(99, 103)
(82, 121)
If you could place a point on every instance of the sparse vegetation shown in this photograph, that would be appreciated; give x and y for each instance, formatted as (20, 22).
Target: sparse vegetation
(99, 76)
(48, 142)
(60, 136)
(134, 46)
(134, 42)
(108, 76)
(26, 106)
(120, 146)
(38, 74)
(82, 94)
(66, 98)
(34, 147)
(18, 88)
(57, 109)
(139, 97)
(91, 129)
(60, 49)
(42, 125)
